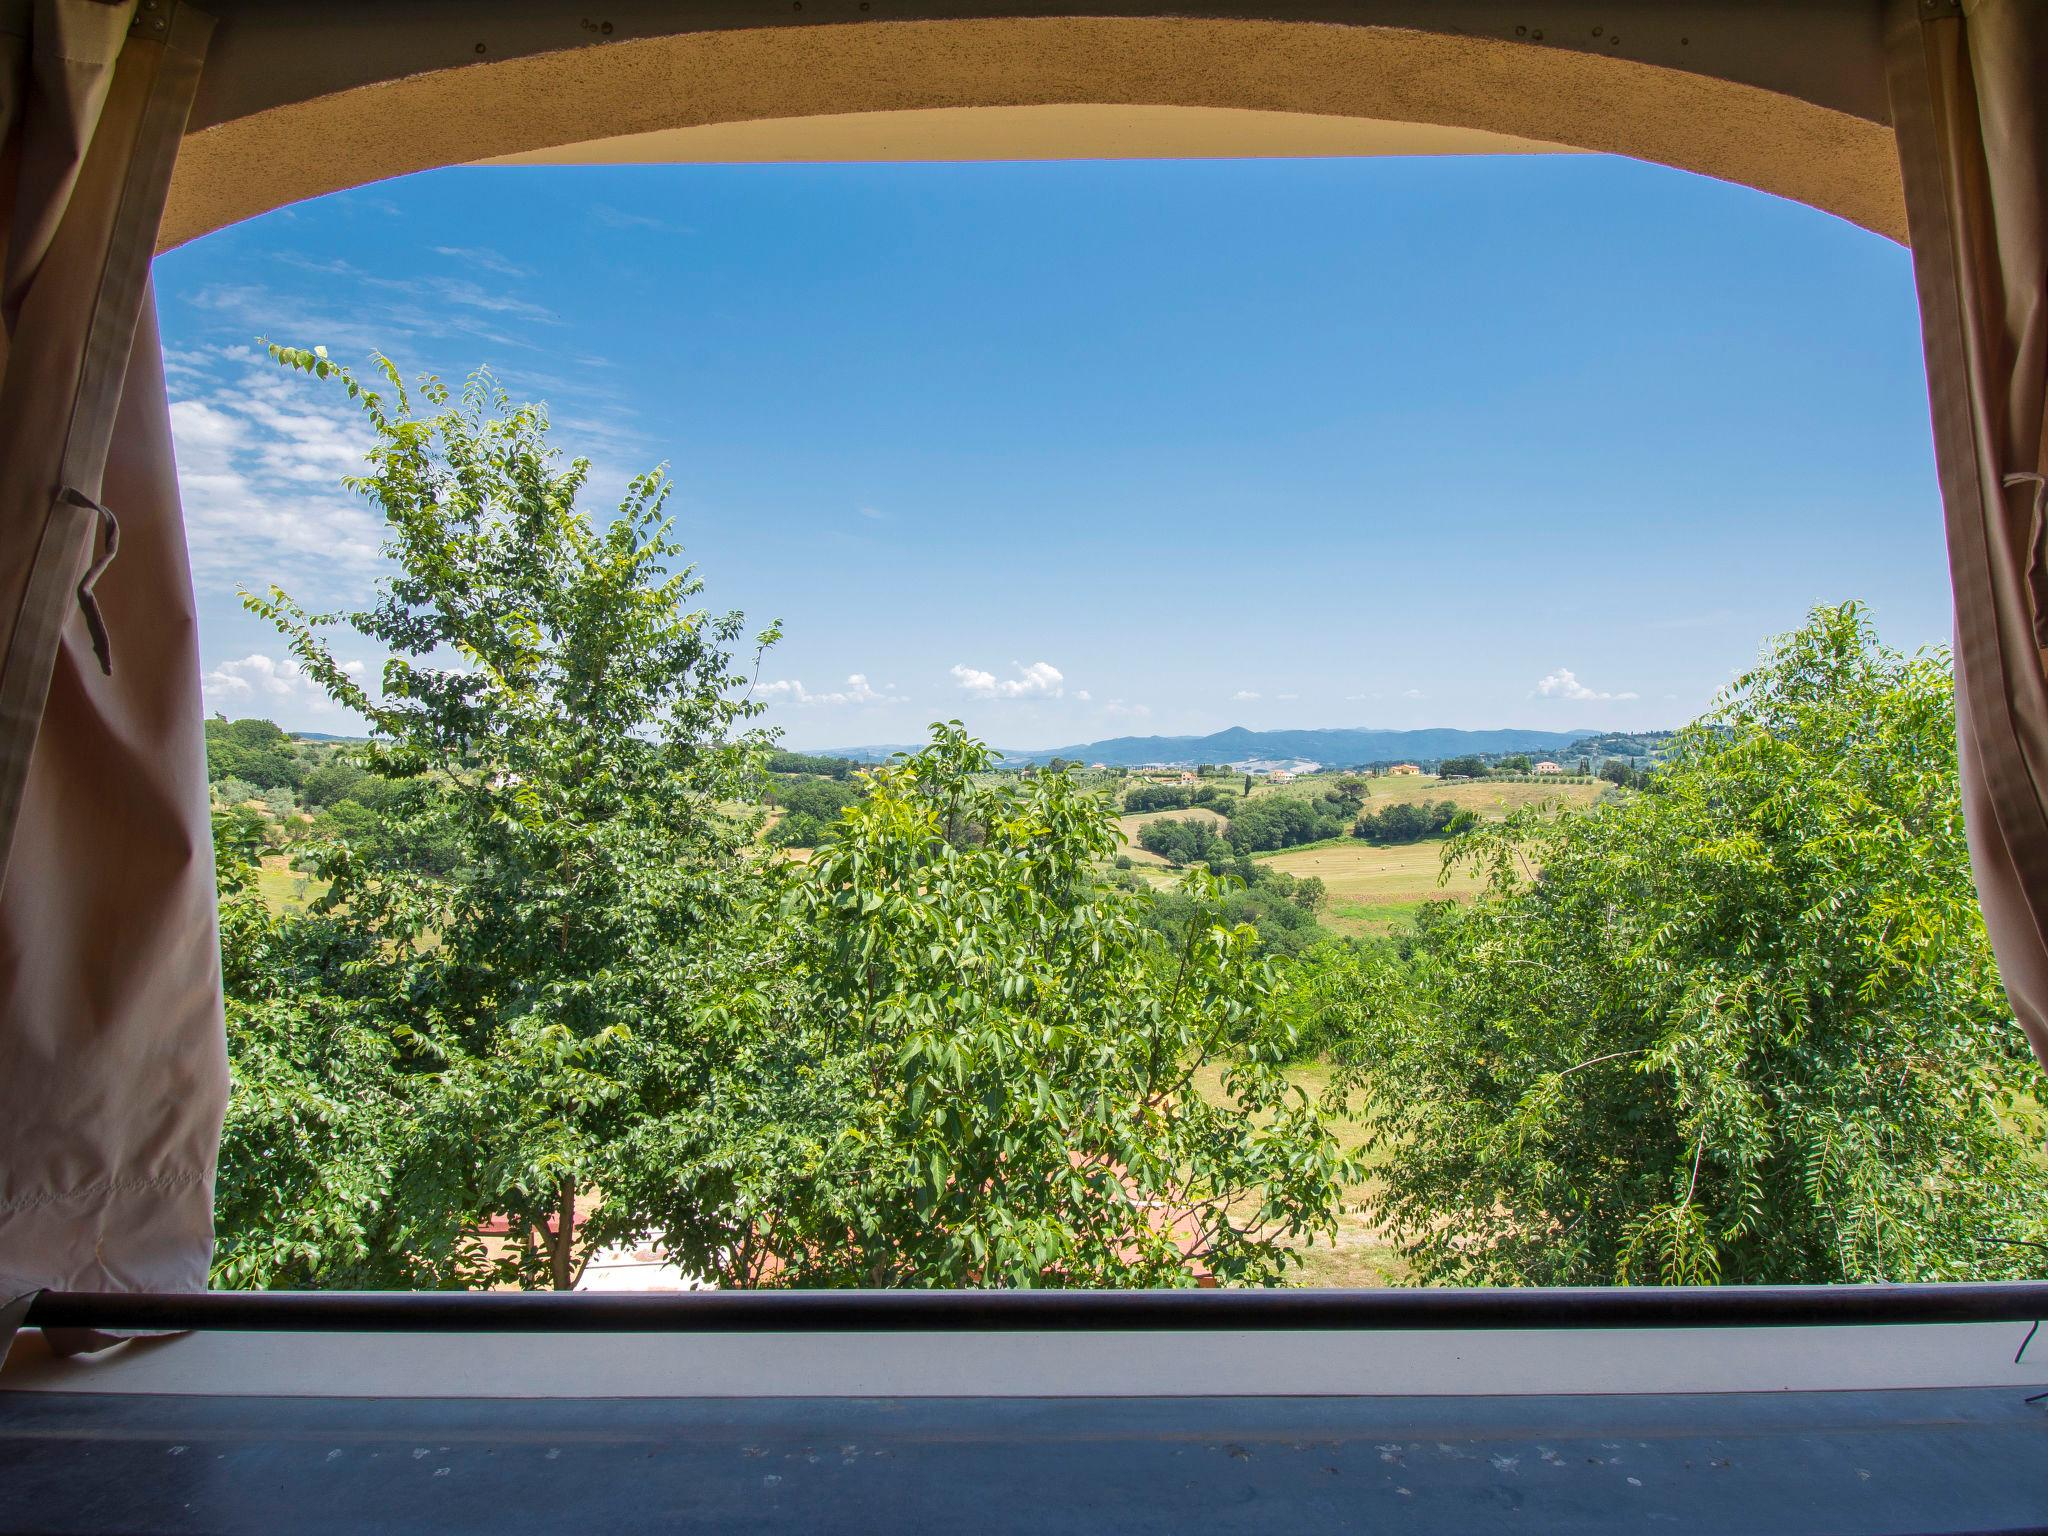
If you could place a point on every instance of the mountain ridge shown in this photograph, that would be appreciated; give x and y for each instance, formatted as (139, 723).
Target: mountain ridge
(1335, 746)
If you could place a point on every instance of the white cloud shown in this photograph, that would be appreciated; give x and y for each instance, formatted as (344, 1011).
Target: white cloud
(1083, 695)
(1040, 680)
(270, 684)
(1243, 696)
(261, 454)
(1120, 708)
(1412, 693)
(858, 690)
(260, 457)
(1564, 684)
(1287, 698)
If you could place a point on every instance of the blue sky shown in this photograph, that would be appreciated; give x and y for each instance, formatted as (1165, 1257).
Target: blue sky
(1089, 449)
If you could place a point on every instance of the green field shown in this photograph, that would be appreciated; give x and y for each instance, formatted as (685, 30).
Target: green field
(1480, 796)
(283, 887)
(1374, 890)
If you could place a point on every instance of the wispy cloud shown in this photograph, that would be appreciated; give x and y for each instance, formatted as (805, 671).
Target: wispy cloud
(271, 683)
(1040, 680)
(260, 459)
(858, 690)
(1564, 684)
(352, 310)
(1244, 696)
(484, 258)
(429, 288)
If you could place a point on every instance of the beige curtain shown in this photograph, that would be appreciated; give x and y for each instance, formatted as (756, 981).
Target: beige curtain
(112, 1062)
(1968, 78)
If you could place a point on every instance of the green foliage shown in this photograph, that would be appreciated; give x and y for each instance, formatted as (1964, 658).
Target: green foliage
(1411, 822)
(241, 834)
(1183, 842)
(324, 1168)
(1350, 791)
(1178, 797)
(780, 761)
(1468, 767)
(253, 751)
(233, 791)
(550, 960)
(1643, 747)
(811, 808)
(1743, 1029)
(1287, 821)
(970, 1063)
(1279, 908)
(551, 845)
(331, 781)
(1615, 771)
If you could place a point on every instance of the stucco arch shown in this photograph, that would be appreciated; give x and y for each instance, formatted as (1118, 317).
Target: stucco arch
(1207, 86)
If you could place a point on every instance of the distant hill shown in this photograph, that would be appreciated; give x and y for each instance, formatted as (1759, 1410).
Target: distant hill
(1337, 747)
(1635, 746)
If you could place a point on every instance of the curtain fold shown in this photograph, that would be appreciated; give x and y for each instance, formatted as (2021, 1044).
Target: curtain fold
(1967, 81)
(113, 1070)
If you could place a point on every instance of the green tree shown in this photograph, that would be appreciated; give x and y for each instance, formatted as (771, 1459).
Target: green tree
(1287, 821)
(1747, 1028)
(1280, 910)
(328, 1175)
(1411, 822)
(1351, 792)
(254, 751)
(559, 712)
(970, 1064)
(811, 808)
(330, 782)
(1182, 842)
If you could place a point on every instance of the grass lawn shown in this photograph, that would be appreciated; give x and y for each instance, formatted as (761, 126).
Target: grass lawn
(1373, 889)
(282, 887)
(1481, 796)
(1360, 1254)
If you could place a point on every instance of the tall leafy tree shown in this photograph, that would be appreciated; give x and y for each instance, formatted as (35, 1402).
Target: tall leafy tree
(1743, 1027)
(967, 1062)
(569, 722)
